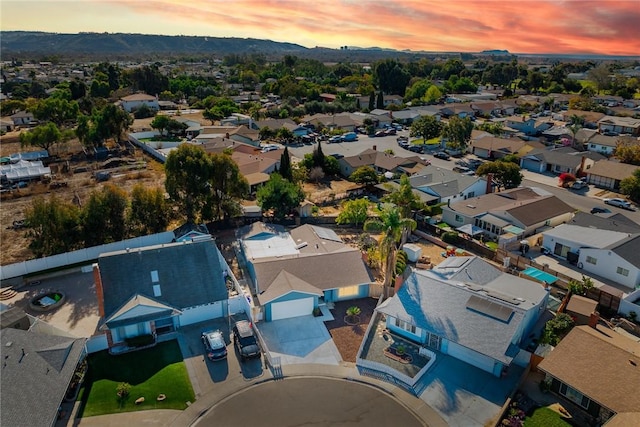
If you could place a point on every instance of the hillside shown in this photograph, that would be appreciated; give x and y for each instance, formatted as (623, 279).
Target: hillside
(24, 42)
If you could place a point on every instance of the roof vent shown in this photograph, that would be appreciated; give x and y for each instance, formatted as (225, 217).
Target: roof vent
(9, 344)
(471, 206)
(301, 245)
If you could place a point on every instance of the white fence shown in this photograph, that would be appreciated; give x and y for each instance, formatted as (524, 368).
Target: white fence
(87, 255)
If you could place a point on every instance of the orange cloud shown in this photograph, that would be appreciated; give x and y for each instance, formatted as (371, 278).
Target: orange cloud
(521, 26)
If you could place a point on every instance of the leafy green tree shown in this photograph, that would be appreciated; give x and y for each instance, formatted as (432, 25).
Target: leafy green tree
(631, 186)
(331, 166)
(188, 172)
(148, 79)
(285, 169)
(504, 174)
(600, 76)
(458, 132)
(627, 150)
(56, 110)
(214, 114)
(581, 287)
(575, 124)
(54, 226)
(175, 127)
(148, 212)
(365, 175)
(280, 196)
(11, 106)
(392, 226)
(417, 90)
(104, 216)
(43, 136)
(353, 212)
(372, 101)
(391, 76)
(494, 128)
(99, 89)
(284, 134)
(432, 95)
(426, 127)
(227, 188)
(161, 123)
(266, 133)
(318, 156)
(404, 198)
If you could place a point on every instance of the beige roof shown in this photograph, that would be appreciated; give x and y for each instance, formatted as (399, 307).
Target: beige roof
(481, 204)
(611, 169)
(138, 97)
(324, 271)
(581, 305)
(589, 116)
(601, 364)
(257, 178)
(283, 284)
(620, 121)
(536, 211)
(499, 144)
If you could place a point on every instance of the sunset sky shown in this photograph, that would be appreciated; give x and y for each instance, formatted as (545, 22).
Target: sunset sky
(520, 26)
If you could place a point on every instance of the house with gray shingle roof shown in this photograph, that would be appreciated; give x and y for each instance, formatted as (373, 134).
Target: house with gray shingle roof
(468, 309)
(37, 370)
(619, 125)
(157, 289)
(295, 272)
(519, 211)
(559, 160)
(618, 261)
(381, 162)
(608, 173)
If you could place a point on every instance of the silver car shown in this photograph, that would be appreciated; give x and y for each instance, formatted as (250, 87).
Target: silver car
(620, 203)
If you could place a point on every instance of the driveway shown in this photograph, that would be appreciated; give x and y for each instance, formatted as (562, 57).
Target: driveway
(303, 339)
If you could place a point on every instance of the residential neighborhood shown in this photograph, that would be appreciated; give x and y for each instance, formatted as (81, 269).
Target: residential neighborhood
(444, 240)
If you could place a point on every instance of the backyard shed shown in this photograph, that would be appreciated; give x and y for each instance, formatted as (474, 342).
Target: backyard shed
(414, 252)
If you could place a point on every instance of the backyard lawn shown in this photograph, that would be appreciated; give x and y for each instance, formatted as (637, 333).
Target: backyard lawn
(545, 417)
(151, 372)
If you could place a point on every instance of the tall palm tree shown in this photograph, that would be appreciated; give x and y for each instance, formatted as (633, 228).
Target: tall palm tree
(392, 225)
(576, 123)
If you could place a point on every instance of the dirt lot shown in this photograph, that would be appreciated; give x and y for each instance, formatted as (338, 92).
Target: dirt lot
(347, 338)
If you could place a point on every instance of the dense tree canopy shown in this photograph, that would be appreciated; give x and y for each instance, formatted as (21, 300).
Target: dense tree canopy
(43, 136)
(279, 196)
(54, 226)
(631, 186)
(391, 76)
(458, 132)
(353, 212)
(104, 216)
(426, 127)
(504, 174)
(148, 211)
(228, 187)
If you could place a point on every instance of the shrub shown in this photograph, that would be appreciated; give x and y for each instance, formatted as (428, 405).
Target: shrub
(123, 390)
(140, 341)
(450, 237)
(353, 311)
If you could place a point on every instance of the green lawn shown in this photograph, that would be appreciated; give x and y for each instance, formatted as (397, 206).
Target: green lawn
(421, 141)
(545, 417)
(151, 372)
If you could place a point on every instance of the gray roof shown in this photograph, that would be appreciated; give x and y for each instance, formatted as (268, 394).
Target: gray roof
(586, 237)
(189, 273)
(285, 283)
(34, 385)
(323, 271)
(441, 308)
(555, 157)
(628, 249)
(615, 222)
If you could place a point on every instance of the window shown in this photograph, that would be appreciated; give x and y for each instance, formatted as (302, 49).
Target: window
(622, 271)
(406, 326)
(591, 260)
(459, 218)
(574, 395)
(471, 194)
(156, 291)
(349, 291)
(154, 276)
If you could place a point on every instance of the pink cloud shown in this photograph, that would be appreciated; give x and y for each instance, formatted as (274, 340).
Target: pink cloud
(541, 26)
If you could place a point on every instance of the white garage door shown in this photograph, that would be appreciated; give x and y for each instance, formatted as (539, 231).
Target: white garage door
(471, 357)
(294, 308)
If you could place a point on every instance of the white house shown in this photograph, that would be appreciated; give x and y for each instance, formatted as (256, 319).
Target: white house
(468, 309)
(133, 102)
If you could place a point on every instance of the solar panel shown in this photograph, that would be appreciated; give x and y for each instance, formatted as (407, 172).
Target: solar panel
(326, 234)
(489, 308)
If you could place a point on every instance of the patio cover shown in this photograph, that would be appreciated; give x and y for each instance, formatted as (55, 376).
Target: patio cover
(513, 229)
(470, 229)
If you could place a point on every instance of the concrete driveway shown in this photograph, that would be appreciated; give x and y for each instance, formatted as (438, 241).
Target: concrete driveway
(303, 339)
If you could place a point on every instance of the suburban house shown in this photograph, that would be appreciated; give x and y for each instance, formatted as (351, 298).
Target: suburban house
(343, 121)
(591, 118)
(597, 142)
(468, 309)
(460, 110)
(435, 185)
(619, 125)
(604, 246)
(608, 173)
(527, 125)
(295, 272)
(22, 118)
(381, 162)
(490, 147)
(597, 368)
(519, 211)
(236, 133)
(559, 160)
(157, 289)
(255, 165)
(133, 102)
(38, 370)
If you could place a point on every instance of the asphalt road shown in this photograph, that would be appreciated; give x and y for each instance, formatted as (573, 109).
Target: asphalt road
(310, 401)
(582, 200)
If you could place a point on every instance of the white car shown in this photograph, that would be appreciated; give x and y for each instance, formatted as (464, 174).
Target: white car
(268, 148)
(620, 203)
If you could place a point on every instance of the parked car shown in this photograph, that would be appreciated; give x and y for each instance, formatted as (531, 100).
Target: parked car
(380, 133)
(391, 131)
(214, 344)
(441, 155)
(598, 209)
(350, 136)
(619, 203)
(245, 340)
(578, 185)
(335, 139)
(461, 169)
(416, 149)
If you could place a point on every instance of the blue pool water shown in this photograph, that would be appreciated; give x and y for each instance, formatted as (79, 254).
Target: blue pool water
(540, 275)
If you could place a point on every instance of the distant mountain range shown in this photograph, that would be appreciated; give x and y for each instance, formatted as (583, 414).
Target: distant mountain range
(110, 46)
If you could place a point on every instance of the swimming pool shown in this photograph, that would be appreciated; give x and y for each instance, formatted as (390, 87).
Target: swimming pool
(540, 275)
